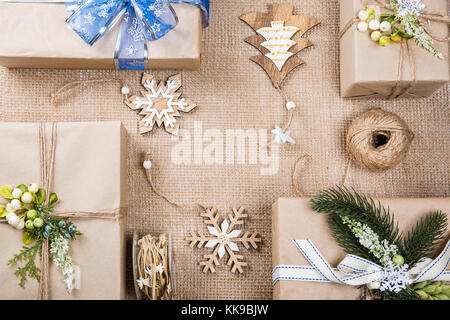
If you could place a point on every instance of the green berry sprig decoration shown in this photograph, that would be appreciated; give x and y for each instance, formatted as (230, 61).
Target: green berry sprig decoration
(433, 290)
(28, 209)
(402, 24)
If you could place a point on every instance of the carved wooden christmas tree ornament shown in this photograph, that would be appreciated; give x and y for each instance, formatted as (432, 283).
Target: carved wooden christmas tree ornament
(160, 104)
(223, 239)
(279, 38)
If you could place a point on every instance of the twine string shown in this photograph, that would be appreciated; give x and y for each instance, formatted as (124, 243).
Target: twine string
(299, 167)
(152, 253)
(71, 86)
(370, 154)
(428, 15)
(149, 174)
(47, 162)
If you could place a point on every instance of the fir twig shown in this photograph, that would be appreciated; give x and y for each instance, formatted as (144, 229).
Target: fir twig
(341, 201)
(346, 239)
(425, 237)
(405, 294)
(27, 254)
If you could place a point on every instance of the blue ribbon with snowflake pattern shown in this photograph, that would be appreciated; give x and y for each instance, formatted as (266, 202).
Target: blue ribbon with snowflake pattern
(356, 271)
(142, 21)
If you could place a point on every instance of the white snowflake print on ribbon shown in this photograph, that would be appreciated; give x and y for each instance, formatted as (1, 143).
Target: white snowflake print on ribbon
(89, 18)
(131, 50)
(135, 31)
(104, 8)
(158, 8)
(282, 137)
(156, 27)
(224, 239)
(160, 104)
(278, 42)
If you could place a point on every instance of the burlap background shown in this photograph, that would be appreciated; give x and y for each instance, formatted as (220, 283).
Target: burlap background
(233, 92)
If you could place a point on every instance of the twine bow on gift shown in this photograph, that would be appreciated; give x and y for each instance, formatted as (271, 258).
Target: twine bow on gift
(356, 271)
(398, 91)
(47, 148)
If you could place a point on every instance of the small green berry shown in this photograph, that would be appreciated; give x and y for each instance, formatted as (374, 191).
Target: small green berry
(398, 260)
(38, 222)
(384, 41)
(32, 214)
(29, 225)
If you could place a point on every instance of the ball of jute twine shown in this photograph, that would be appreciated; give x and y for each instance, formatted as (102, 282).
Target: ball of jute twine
(378, 140)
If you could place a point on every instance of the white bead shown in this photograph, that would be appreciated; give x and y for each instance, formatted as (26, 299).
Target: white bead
(374, 25)
(33, 188)
(125, 90)
(147, 164)
(10, 215)
(15, 204)
(290, 105)
(16, 193)
(363, 26)
(14, 221)
(21, 224)
(9, 208)
(374, 285)
(385, 26)
(363, 15)
(27, 197)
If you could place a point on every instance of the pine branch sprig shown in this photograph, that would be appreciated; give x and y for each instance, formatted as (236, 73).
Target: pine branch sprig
(425, 237)
(27, 254)
(346, 239)
(405, 294)
(343, 202)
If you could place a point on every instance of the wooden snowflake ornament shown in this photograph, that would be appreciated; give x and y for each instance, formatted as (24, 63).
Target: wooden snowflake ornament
(279, 38)
(160, 104)
(224, 239)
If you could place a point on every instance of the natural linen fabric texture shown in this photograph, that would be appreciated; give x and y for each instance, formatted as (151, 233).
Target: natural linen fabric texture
(228, 98)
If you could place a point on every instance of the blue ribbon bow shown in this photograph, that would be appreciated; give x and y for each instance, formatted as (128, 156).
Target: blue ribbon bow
(142, 20)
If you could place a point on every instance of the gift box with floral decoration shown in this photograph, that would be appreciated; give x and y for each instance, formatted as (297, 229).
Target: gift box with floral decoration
(393, 48)
(62, 207)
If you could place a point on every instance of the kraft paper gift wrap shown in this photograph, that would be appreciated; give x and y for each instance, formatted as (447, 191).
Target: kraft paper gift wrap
(35, 35)
(293, 219)
(368, 70)
(89, 176)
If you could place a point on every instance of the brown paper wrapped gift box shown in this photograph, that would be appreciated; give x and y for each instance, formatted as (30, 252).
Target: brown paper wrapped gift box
(89, 176)
(293, 219)
(35, 35)
(368, 70)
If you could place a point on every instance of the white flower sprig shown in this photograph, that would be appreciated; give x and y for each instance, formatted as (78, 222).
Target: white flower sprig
(407, 13)
(381, 249)
(59, 248)
(409, 7)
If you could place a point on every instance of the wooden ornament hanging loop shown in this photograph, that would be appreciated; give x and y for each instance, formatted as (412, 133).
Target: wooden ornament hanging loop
(279, 38)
